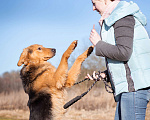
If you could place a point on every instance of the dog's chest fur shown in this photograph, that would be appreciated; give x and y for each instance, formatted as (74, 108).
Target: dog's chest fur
(40, 104)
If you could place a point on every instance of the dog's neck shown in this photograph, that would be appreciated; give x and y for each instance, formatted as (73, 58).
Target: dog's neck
(30, 73)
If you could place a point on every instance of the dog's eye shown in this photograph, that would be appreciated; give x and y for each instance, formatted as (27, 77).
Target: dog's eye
(39, 48)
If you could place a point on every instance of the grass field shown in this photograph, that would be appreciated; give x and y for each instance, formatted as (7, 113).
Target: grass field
(1, 118)
(72, 114)
(96, 105)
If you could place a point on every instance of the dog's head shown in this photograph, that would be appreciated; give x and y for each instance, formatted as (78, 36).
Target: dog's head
(35, 54)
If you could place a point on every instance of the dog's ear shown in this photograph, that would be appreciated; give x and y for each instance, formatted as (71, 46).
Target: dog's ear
(23, 58)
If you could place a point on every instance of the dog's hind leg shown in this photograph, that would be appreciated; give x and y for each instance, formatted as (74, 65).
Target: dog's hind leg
(61, 72)
(76, 67)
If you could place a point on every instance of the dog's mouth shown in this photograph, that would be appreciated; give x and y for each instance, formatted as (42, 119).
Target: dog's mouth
(48, 57)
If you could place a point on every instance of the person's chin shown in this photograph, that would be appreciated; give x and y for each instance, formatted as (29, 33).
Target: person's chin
(99, 13)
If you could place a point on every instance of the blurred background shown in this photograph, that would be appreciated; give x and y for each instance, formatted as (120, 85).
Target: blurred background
(53, 24)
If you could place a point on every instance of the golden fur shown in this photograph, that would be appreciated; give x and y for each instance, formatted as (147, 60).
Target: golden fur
(45, 84)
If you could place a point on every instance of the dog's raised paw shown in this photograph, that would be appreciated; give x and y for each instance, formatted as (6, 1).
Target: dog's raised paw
(74, 43)
(90, 50)
(70, 49)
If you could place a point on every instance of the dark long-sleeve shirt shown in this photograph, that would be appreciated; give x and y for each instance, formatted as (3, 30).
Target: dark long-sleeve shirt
(124, 33)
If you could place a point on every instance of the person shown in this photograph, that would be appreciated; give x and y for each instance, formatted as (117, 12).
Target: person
(125, 44)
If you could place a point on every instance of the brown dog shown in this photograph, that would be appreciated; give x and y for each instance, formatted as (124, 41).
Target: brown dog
(45, 84)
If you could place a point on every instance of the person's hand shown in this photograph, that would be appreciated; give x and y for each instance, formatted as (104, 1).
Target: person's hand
(95, 76)
(92, 77)
(94, 36)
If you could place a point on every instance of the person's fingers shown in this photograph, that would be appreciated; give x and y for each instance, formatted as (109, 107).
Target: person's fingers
(93, 31)
(94, 26)
(94, 75)
(86, 77)
(89, 77)
(91, 35)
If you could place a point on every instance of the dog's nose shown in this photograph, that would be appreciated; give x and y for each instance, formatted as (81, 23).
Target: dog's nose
(53, 50)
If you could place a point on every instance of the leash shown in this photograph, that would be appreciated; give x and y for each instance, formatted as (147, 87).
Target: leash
(68, 104)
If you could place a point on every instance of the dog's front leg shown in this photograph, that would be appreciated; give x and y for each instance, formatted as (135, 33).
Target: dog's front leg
(61, 72)
(76, 67)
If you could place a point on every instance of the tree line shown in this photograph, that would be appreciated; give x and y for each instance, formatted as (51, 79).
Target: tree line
(10, 81)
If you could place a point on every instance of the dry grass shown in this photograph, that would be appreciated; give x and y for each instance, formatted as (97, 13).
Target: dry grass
(96, 105)
(13, 100)
(95, 99)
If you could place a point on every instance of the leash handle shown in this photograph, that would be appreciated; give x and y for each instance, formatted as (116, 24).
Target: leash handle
(74, 100)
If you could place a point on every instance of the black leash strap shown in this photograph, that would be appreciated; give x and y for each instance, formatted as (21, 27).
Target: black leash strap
(107, 86)
(81, 81)
(78, 97)
(95, 80)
